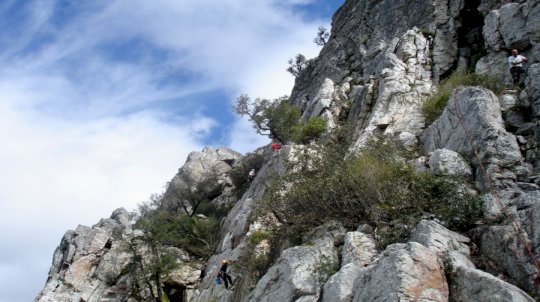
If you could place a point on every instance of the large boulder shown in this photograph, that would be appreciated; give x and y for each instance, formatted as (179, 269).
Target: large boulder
(436, 237)
(472, 125)
(488, 5)
(468, 284)
(448, 162)
(404, 272)
(86, 261)
(359, 249)
(340, 287)
(511, 25)
(515, 244)
(298, 274)
(206, 172)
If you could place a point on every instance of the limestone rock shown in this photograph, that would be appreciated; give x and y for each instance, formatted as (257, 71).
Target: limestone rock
(381, 67)
(333, 229)
(207, 169)
(495, 66)
(504, 245)
(454, 259)
(448, 162)
(488, 5)
(533, 88)
(507, 101)
(236, 225)
(84, 263)
(434, 236)
(473, 114)
(405, 272)
(298, 273)
(359, 249)
(517, 20)
(469, 284)
(341, 285)
(407, 140)
(185, 276)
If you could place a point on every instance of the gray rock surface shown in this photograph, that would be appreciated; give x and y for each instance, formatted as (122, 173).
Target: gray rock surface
(473, 116)
(469, 284)
(77, 272)
(495, 66)
(88, 265)
(341, 285)
(517, 21)
(236, 226)
(359, 249)
(298, 274)
(505, 245)
(209, 168)
(436, 237)
(405, 272)
(533, 88)
(488, 5)
(381, 67)
(448, 162)
(454, 259)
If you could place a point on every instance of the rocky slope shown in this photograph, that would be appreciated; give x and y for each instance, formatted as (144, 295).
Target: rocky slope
(383, 60)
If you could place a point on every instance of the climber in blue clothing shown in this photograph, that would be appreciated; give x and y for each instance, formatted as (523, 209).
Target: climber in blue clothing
(223, 273)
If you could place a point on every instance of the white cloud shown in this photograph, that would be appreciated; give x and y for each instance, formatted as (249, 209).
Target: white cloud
(243, 137)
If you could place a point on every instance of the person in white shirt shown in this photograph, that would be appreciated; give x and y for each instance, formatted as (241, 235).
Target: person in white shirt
(515, 62)
(251, 175)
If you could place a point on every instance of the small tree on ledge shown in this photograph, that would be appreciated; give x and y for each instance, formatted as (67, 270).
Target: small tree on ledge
(279, 120)
(297, 65)
(322, 36)
(274, 119)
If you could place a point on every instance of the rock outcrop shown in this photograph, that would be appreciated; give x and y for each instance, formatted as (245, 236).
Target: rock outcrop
(81, 267)
(298, 274)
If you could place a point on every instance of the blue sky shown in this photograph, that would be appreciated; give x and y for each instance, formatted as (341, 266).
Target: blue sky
(101, 101)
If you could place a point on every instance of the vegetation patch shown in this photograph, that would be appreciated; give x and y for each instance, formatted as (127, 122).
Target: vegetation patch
(159, 238)
(311, 130)
(434, 105)
(426, 32)
(376, 186)
(259, 236)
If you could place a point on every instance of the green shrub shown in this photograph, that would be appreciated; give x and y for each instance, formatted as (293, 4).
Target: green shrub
(259, 236)
(279, 119)
(434, 105)
(426, 32)
(309, 131)
(375, 187)
(273, 118)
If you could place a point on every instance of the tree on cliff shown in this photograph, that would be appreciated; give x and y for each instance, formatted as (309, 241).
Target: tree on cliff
(297, 65)
(150, 260)
(156, 243)
(322, 36)
(274, 119)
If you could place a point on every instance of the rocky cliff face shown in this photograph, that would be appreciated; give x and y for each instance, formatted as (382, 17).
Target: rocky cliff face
(383, 60)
